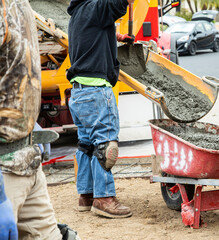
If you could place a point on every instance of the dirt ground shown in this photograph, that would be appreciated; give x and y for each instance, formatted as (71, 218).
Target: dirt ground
(151, 218)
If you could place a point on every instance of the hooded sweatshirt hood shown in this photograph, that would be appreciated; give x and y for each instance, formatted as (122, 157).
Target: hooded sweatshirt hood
(73, 4)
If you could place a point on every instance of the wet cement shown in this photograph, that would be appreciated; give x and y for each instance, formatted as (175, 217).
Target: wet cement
(132, 59)
(183, 101)
(194, 135)
(54, 9)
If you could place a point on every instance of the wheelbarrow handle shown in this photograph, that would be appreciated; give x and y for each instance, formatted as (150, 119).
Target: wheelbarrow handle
(153, 92)
(211, 81)
(147, 91)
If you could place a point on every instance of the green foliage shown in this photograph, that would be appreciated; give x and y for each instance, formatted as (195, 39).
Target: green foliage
(184, 14)
(209, 4)
(194, 5)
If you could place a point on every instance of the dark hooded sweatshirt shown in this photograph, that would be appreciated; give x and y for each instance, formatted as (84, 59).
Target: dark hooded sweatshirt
(92, 39)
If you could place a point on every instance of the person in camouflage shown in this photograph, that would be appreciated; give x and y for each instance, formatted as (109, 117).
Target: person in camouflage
(20, 95)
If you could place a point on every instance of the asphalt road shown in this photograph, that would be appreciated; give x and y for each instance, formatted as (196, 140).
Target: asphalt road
(204, 63)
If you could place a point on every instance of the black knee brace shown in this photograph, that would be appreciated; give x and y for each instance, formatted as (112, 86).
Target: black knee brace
(87, 149)
(107, 154)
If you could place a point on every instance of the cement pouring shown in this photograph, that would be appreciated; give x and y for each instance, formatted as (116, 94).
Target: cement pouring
(183, 101)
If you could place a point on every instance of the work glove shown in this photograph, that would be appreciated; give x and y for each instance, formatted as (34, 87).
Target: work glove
(67, 232)
(8, 227)
(44, 148)
(125, 38)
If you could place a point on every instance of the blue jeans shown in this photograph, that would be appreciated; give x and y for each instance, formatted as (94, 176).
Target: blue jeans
(95, 113)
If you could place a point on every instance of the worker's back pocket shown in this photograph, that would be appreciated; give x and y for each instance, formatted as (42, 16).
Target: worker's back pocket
(86, 111)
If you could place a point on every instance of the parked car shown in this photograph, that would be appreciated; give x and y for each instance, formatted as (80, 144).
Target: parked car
(194, 35)
(169, 20)
(165, 39)
(207, 15)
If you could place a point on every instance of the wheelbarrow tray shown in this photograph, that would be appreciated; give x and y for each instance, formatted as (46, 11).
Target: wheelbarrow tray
(179, 157)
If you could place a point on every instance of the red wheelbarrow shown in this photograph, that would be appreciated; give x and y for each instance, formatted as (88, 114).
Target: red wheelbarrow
(187, 156)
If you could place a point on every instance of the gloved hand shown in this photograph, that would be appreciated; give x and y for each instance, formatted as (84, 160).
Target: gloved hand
(44, 148)
(125, 38)
(67, 232)
(8, 228)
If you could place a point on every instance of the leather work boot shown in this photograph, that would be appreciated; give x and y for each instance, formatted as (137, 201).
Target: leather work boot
(110, 207)
(85, 202)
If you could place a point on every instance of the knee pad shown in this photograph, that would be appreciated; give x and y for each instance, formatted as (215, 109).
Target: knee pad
(87, 149)
(107, 154)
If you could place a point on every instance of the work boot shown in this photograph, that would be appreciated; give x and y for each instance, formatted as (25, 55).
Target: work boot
(110, 207)
(85, 202)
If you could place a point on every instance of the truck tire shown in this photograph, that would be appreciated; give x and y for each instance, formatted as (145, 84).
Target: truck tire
(174, 200)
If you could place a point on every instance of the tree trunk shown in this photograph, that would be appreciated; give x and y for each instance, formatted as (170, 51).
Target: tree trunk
(204, 7)
(196, 5)
(190, 6)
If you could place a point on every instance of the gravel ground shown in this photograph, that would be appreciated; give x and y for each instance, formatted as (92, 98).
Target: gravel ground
(64, 172)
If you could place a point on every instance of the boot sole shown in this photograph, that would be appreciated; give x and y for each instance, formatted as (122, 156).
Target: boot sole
(111, 155)
(84, 208)
(106, 214)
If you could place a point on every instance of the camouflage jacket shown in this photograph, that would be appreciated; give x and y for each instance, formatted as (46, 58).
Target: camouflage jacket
(20, 83)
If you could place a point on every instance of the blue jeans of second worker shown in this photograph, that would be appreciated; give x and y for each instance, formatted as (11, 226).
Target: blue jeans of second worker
(94, 111)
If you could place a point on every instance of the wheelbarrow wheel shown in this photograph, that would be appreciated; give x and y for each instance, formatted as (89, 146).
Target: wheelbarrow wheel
(174, 200)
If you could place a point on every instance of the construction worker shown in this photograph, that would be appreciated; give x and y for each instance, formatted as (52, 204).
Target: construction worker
(20, 154)
(94, 71)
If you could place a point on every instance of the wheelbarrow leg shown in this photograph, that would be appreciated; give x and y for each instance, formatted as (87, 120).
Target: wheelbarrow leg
(197, 207)
(187, 210)
(183, 193)
(191, 210)
(187, 207)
